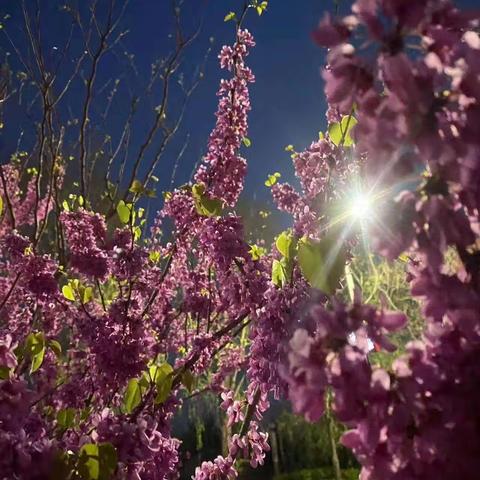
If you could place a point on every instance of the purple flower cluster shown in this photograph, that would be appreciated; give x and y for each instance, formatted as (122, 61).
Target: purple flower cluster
(224, 170)
(143, 450)
(86, 236)
(415, 112)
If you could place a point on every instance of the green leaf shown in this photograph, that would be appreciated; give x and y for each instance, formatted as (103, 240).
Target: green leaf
(246, 141)
(335, 133)
(35, 347)
(68, 293)
(261, 7)
(137, 187)
(1, 205)
(97, 461)
(322, 263)
(230, 16)
(87, 295)
(272, 179)
(56, 347)
(124, 211)
(66, 418)
(279, 276)
(65, 206)
(285, 244)
(162, 376)
(257, 252)
(338, 131)
(205, 206)
(132, 396)
(137, 233)
(154, 256)
(4, 373)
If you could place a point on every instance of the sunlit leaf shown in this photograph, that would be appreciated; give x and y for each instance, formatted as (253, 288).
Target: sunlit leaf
(339, 133)
(279, 277)
(246, 141)
(322, 263)
(132, 396)
(272, 179)
(205, 206)
(230, 16)
(97, 461)
(68, 293)
(285, 244)
(87, 294)
(257, 252)
(137, 187)
(163, 378)
(124, 211)
(154, 256)
(35, 348)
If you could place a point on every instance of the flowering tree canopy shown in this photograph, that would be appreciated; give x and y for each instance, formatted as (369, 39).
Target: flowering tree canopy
(108, 324)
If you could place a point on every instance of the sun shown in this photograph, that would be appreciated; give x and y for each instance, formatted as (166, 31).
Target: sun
(361, 206)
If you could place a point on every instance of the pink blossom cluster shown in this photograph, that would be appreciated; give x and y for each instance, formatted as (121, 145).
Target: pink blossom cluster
(415, 111)
(224, 170)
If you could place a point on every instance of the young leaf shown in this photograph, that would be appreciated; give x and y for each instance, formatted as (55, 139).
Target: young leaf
(97, 461)
(322, 263)
(137, 187)
(123, 211)
(246, 141)
(279, 277)
(338, 131)
(1, 205)
(35, 347)
(68, 293)
(285, 244)
(56, 347)
(87, 295)
(272, 179)
(133, 396)
(205, 206)
(257, 252)
(335, 133)
(154, 256)
(163, 379)
(230, 16)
